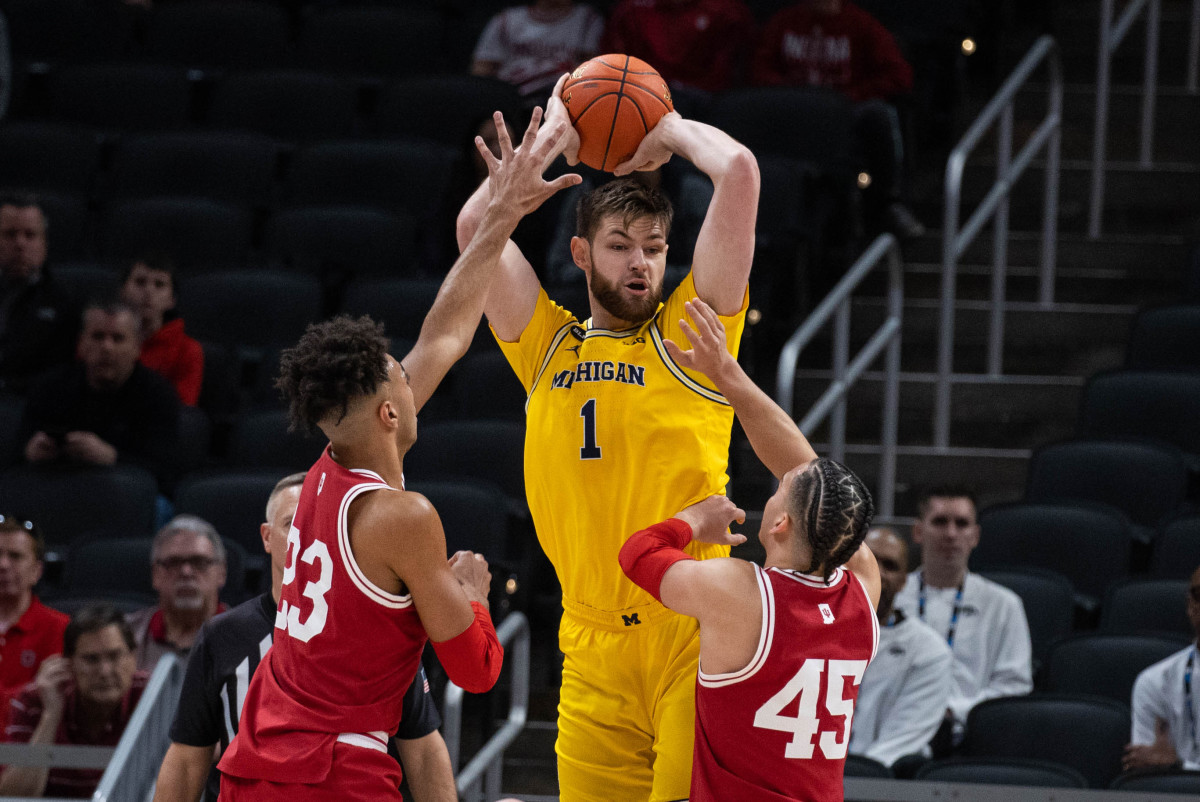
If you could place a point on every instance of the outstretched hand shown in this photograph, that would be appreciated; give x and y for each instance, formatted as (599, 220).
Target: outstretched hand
(710, 520)
(557, 110)
(708, 354)
(516, 177)
(653, 152)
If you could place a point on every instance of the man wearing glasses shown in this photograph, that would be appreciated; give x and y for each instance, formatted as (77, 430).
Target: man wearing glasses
(188, 565)
(29, 630)
(1165, 705)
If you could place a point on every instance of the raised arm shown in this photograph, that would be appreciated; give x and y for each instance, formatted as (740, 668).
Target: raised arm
(773, 435)
(725, 245)
(514, 188)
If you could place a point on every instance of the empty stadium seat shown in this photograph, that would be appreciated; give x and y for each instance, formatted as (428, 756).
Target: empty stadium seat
(222, 166)
(48, 32)
(484, 386)
(233, 501)
(1164, 338)
(262, 440)
(400, 304)
(376, 40)
(1167, 782)
(1151, 404)
(344, 241)
(1090, 546)
(862, 766)
(45, 156)
(67, 214)
(250, 308)
(1146, 605)
(1049, 601)
(12, 407)
(196, 233)
(1104, 665)
(1002, 771)
(1176, 551)
(68, 504)
(290, 105)
(1146, 481)
(483, 451)
(1087, 733)
(228, 34)
(85, 281)
(453, 124)
(120, 97)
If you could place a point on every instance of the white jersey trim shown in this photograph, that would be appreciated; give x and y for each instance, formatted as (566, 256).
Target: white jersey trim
(811, 580)
(372, 740)
(766, 635)
(874, 617)
(368, 588)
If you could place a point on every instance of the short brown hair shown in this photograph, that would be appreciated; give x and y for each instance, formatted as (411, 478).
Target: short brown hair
(94, 618)
(11, 523)
(630, 199)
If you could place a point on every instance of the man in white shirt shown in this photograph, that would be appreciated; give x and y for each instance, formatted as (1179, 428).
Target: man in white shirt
(906, 689)
(982, 622)
(1165, 707)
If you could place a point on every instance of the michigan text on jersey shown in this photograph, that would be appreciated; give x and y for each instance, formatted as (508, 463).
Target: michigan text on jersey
(622, 372)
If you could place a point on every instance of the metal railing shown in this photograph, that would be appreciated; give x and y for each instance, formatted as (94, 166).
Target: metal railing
(994, 206)
(1111, 36)
(846, 371)
(134, 767)
(481, 777)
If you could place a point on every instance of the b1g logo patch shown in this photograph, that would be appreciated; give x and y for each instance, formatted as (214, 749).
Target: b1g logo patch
(28, 658)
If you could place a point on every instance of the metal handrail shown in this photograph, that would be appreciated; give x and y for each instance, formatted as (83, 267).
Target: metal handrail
(134, 767)
(1111, 36)
(847, 371)
(1009, 169)
(487, 765)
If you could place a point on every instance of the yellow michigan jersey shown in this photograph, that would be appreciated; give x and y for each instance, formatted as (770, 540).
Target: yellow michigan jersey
(618, 437)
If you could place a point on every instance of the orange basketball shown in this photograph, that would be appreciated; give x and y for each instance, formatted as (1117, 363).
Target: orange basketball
(613, 101)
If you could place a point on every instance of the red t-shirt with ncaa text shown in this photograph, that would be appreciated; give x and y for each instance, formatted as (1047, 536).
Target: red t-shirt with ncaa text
(33, 637)
(779, 728)
(345, 651)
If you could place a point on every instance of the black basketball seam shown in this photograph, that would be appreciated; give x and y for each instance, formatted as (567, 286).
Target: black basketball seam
(612, 128)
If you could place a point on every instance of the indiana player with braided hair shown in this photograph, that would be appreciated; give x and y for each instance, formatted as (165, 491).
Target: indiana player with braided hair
(782, 648)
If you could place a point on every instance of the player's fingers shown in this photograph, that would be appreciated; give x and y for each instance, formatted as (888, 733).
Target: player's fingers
(739, 515)
(531, 131)
(692, 335)
(558, 87)
(564, 181)
(677, 354)
(489, 158)
(502, 137)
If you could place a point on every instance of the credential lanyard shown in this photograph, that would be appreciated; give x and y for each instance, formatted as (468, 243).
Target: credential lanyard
(958, 597)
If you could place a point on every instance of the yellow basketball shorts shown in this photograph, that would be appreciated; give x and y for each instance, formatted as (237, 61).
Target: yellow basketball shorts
(627, 708)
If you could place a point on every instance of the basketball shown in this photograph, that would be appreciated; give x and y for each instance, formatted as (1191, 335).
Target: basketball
(613, 101)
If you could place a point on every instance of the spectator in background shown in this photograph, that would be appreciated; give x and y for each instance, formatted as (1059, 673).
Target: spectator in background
(983, 622)
(906, 689)
(1164, 705)
(38, 319)
(187, 562)
(29, 630)
(106, 408)
(694, 44)
(84, 698)
(149, 287)
(226, 656)
(835, 44)
(531, 45)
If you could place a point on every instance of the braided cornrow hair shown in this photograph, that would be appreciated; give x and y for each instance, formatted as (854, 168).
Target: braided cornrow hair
(836, 509)
(333, 363)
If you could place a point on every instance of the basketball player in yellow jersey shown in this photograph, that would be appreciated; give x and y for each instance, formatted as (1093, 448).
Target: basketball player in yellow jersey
(618, 438)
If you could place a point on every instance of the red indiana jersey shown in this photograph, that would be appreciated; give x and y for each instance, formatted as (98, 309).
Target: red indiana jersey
(779, 728)
(344, 651)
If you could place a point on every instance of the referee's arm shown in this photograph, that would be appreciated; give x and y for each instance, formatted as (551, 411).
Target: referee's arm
(183, 773)
(426, 766)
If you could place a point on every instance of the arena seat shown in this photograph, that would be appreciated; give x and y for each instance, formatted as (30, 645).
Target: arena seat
(222, 166)
(196, 233)
(1155, 405)
(1168, 782)
(483, 451)
(373, 40)
(1104, 665)
(195, 440)
(228, 34)
(1089, 545)
(45, 156)
(1146, 481)
(1176, 550)
(120, 97)
(84, 281)
(452, 124)
(1164, 338)
(262, 440)
(50, 32)
(485, 387)
(863, 766)
(1146, 606)
(290, 105)
(70, 503)
(1049, 601)
(71, 222)
(1087, 733)
(400, 304)
(345, 241)
(1002, 771)
(250, 308)
(234, 502)
(12, 407)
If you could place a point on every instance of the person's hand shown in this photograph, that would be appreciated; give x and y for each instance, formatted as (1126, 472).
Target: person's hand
(653, 152)
(41, 448)
(53, 676)
(710, 520)
(88, 447)
(556, 110)
(471, 571)
(516, 177)
(708, 354)
(1156, 755)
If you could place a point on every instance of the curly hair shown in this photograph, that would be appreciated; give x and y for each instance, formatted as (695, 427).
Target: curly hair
(836, 510)
(627, 197)
(333, 363)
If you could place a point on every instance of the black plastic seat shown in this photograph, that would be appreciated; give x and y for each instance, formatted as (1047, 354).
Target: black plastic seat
(261, 440)
(71, 224)
(227, 34)
(251, 309)
(49, 32)
(1168, 782)
(374, 40)
(1049, 601)
(290, 105)
(482, 451)
(85, 281)
(12, 407)
(1105, 665)
(46, 156)
(400, 304)
(1147, 606)
(1155, 405)
(222, 166)
(1146, 481)
(120, 97)
(863, 766)
(233, 501)
(1164, 338)
(1090, 546)
(68, 504)
(1002, 771)
(1176, 551)
(196, 233)
(1087, 733)
(453, 124)
(485, 387)
(344, 241)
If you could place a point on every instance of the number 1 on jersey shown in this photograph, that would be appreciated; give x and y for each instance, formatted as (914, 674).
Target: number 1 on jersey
(590, 450)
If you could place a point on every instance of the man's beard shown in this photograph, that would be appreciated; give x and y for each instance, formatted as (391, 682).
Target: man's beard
(632, 310)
